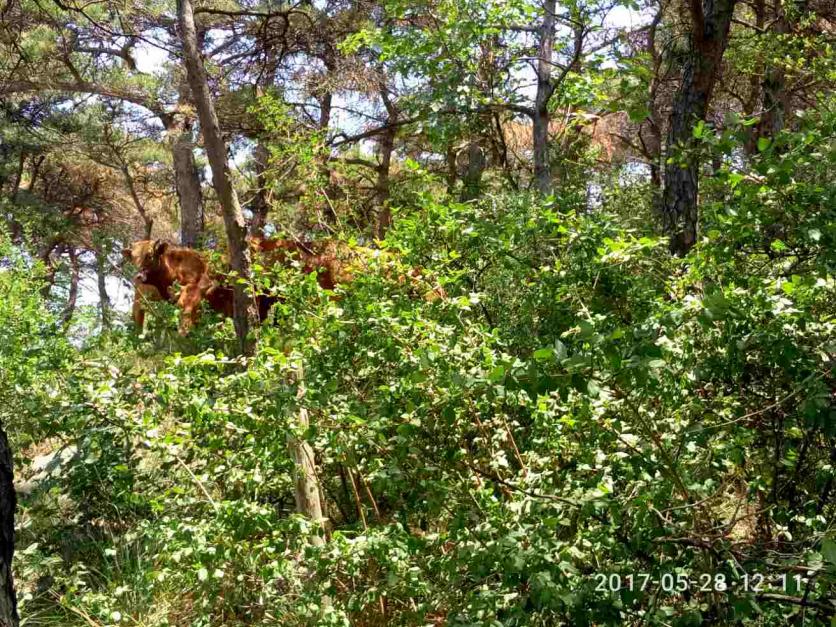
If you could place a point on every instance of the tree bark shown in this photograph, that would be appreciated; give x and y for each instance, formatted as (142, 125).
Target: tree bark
(652, 143)
(387, 147)
(261, 155)
(36, 169)
(8, 503)
(72, 297)
(472, 179)
(239, 254)
(711, 20)
(261, 200)
(326, 102)
(186, 177)
(101, 276)
(15, 228)
(753, 100)
(545, 89)
(308, 502)
(774, 86)
(452, 171)
(45, 256)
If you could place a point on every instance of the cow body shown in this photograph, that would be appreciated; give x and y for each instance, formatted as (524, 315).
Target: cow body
(336, 263)
(160, 265)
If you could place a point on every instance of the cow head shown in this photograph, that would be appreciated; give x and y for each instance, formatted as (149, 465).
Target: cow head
(145, 255)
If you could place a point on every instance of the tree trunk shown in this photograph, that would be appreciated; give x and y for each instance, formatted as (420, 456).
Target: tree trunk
(308, 501)
(8, 503)
(545, 89)
(261, 200)
(104, 299)
(186, 178)
(239, 254)
(326, 102)
(452, 170)
(261, 155)
(72, 297)
(21, 165)
(45, 256)
(775, 96)
(35, 171)
(652, 141)
(472, 179)
(387, 147)
(15, 228)
(753, 100)
(710, 33)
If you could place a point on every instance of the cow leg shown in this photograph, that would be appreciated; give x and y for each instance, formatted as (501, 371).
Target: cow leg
(143, 292)
(138, 312)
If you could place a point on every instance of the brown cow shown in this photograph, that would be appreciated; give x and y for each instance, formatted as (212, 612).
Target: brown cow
(320, 257)
(335, 262)
(220, 298)
(160, 264)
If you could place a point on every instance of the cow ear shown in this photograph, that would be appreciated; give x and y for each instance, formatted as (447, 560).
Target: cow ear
(160, 248)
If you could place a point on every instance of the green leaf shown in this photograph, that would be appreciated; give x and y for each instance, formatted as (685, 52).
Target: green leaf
(544, 354)
(828, 550)
(763, 143)
(497, 374)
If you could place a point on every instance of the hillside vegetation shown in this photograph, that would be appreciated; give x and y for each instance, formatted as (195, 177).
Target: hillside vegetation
(600, 421)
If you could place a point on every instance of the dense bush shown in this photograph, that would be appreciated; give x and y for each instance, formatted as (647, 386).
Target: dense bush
(581, 403)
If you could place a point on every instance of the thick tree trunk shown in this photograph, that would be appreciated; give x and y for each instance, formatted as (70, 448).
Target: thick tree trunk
(545, 89)
(35, 171)
(186, 179)
(72, 297)
(711, 20)
(239, 254)
(308, 502)
(8, 503)
(21, 164)
(104, 299)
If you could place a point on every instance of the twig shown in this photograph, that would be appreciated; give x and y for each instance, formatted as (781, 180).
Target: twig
(357, 498)
(549, 497)
(199, 484)
(369, 494)
(828, 608)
